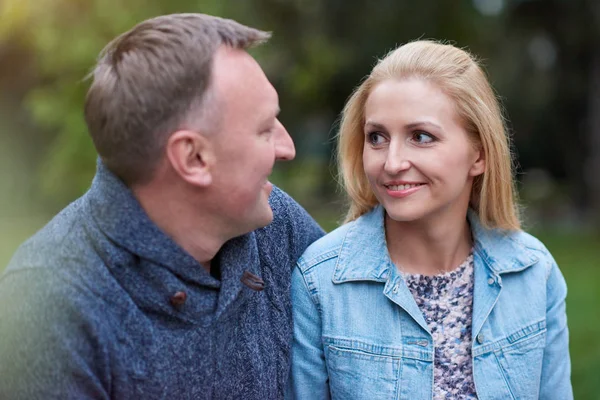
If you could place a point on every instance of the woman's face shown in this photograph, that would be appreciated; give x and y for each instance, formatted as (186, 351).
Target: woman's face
(417, 156)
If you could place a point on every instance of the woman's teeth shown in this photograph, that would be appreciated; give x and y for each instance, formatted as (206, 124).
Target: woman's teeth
(403, 187)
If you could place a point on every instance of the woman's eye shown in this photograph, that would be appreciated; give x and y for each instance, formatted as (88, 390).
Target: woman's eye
(375, 138)
(423, 137)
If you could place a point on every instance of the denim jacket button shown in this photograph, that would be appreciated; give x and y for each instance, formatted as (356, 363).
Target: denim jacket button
(395, 289)
(480, 338)
(491, 281)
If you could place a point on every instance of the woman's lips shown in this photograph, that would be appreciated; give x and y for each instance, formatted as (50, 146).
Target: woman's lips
(403, 190)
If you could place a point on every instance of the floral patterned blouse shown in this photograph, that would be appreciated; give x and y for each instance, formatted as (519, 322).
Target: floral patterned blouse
(446, 301)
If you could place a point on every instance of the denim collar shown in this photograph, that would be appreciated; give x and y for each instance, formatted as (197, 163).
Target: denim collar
(501, 250)
(364, 255)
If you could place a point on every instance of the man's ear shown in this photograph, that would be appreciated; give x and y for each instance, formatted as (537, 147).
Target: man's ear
(479, 165)
(191, 156)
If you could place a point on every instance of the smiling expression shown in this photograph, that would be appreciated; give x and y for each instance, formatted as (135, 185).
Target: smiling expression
(250, 140)
(417, 156)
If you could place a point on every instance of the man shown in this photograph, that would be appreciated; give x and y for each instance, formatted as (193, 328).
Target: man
(169, 278)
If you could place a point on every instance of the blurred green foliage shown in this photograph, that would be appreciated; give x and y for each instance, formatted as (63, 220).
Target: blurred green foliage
(319, 52)
(68, 36)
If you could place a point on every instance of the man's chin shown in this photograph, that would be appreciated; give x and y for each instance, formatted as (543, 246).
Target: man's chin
(265, 218)
(268, 217)
(268, 188)
(262, 218)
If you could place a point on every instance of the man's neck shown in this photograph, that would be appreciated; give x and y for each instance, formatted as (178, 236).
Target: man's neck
(194, 232)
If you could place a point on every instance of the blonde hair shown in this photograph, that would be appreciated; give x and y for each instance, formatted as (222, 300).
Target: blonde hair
(458, 74)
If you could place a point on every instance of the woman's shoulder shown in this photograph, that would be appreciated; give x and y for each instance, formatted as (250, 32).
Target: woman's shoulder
(325, 249)
(530, 243)
(537, 248)
(516, 250)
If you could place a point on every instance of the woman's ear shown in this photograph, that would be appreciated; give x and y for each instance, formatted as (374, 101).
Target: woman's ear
(191, 156)
(479, 165)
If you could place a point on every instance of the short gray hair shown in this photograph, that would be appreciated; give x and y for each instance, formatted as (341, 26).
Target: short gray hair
(149, 81)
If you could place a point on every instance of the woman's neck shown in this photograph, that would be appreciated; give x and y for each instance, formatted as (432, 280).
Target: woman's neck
(428, 247)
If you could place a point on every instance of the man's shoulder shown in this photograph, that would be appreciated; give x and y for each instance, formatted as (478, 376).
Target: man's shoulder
(48, 282)
(281, 202)
(57, 278)
(69, 247)
(53, 320)
(291, 231)
(290, 218)
(62, 239)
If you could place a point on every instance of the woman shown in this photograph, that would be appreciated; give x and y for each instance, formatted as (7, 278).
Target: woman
(430, 290)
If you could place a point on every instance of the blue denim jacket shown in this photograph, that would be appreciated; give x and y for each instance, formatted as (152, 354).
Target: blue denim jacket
(359, 333)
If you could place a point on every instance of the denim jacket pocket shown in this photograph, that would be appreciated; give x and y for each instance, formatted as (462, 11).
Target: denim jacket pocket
(520, 356)
(358, 370)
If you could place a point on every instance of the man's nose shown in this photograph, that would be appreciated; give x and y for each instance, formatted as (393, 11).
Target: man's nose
(284, 146)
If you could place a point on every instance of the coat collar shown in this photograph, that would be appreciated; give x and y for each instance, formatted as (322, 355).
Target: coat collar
(364, 255)
(118, 214)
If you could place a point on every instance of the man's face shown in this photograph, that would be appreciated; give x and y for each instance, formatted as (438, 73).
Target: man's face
(249, 140)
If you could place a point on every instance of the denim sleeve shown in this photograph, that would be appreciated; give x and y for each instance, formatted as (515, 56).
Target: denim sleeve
(48, 348)
(556, 367)
(308, 378)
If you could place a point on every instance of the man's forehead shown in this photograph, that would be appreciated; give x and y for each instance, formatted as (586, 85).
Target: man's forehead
(234, 67)
(237, 77)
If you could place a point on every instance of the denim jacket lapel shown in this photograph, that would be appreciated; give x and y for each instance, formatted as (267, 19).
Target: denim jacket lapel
(496, 252)
(364, 257)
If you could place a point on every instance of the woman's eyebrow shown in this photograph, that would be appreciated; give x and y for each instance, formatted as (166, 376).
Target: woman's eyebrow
(422, 123)
(412, 125)
(375, 125)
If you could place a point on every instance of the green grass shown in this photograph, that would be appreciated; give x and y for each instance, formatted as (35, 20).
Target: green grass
(577, 255)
